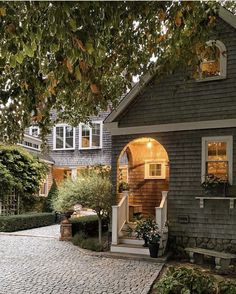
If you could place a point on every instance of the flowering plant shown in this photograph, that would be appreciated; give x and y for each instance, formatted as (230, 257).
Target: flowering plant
(213, 181)
(148, 230)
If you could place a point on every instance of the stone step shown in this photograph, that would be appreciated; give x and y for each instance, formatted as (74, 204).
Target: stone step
(130, 241)
(130, 249)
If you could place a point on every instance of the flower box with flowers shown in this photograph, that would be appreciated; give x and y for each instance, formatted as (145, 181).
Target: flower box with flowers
(215, 186)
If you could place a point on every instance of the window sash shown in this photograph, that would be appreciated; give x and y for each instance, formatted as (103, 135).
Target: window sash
(90, 137)
(223, 158)
(64, 137)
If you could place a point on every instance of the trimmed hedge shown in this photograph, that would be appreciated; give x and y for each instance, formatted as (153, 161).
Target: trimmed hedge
(87, 225)
(19, 222)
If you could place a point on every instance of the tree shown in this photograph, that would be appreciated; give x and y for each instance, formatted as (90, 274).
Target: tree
(90, 189)
(19, 170)
(79, 57)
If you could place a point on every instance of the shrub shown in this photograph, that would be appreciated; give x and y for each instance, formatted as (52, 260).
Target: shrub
(25, 221)
(185, 281)
(85, 242)
(227, 287)
(53, 193)
(87, 225)
(91, 189)
(19, 170)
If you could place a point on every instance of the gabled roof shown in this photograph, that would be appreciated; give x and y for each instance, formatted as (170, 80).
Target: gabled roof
(224, 14)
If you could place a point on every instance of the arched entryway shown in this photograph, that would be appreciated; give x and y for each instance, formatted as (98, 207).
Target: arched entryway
(143, 167)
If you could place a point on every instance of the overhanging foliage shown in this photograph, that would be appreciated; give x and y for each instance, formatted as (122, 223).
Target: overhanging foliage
(78, 57)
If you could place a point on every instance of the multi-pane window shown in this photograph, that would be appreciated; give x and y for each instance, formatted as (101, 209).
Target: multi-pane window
(212, 60)
(34, 131)
(217, 157)
(155, 170)
(90, 136)
(64, 137)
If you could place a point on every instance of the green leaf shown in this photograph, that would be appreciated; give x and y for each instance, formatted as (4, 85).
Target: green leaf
(73, 25)
(89, 47)
(13, 61)
(78, 73)
(19, 57)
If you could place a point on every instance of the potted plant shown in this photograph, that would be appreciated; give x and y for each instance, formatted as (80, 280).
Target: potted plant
(147, 229)
(123, 186)
(215, 186)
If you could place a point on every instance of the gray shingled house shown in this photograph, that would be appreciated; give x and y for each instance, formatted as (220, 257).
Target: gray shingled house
(74, 148)
(164, 144)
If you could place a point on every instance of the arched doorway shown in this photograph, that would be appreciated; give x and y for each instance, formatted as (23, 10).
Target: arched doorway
(143, 167)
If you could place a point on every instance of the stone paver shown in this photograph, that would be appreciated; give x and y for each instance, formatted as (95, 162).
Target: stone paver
(36, 265)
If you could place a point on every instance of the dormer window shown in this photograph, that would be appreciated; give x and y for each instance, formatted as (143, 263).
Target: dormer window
(34, 131)
(213, 61)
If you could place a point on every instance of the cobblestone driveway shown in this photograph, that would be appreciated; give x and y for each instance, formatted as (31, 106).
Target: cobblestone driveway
(39, 265)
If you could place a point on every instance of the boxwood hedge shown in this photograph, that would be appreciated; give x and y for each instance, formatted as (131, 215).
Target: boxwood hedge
(19, 222)
(87, 225)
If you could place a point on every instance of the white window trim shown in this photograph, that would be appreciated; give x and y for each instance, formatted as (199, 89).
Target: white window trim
(229, 152)
(223, 61)
(90, 136)
(54, 138)
(163, 169)
(34, 127)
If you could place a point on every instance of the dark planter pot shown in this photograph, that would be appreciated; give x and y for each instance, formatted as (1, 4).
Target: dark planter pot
(153, 249)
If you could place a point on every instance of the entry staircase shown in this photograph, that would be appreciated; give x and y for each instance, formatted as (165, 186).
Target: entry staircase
(123, 239)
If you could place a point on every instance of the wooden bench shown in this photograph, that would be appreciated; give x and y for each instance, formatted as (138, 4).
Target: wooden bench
(222, 259)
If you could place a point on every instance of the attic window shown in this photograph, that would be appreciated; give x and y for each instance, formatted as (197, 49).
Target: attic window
(213, 61)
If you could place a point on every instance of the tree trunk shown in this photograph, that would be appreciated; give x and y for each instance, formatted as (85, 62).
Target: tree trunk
(99, 229)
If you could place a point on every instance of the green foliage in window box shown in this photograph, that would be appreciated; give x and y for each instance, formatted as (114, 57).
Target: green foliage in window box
(25, 221)
(186, 281)
(87, 225)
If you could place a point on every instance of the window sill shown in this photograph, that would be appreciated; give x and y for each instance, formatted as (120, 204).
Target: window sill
(63, 149)
(91, 148)
(230, 199)
(223, 77)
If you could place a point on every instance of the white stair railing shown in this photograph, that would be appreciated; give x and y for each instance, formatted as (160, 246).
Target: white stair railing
(120, 215)
(161, 212)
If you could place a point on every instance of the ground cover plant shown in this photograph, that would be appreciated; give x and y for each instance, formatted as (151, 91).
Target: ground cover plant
(192, 280)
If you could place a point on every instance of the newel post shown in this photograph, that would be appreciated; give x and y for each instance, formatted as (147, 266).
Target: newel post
(114, 225)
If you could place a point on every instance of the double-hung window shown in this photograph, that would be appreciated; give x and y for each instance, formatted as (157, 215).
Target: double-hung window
(90, 136)
(217, 157)
(64, 137)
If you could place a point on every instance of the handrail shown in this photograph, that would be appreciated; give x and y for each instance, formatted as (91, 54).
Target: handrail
(120, 215)
(161, 211)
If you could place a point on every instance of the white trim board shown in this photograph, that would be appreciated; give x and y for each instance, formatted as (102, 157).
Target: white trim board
(114, 129)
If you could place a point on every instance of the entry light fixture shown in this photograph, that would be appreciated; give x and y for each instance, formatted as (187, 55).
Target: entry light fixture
(149, 144)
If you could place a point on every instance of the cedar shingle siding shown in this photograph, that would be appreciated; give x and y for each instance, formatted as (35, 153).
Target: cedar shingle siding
(172, 101)
(76, 157)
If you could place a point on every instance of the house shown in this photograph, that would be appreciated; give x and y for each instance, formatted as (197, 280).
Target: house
(32, 143)
(74, 148)
(165, 142)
